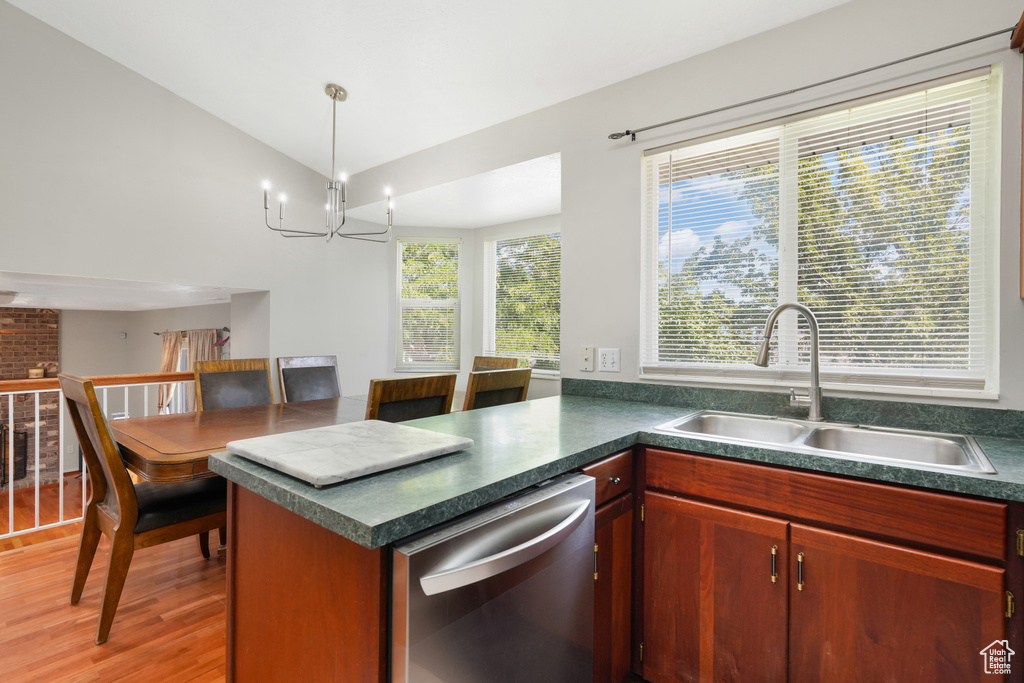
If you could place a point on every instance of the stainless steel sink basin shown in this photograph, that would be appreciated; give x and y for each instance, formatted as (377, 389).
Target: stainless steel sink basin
(902, 447)
(742, 427)
(947, 451)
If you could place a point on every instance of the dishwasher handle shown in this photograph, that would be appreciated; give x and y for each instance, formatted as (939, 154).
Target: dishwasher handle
(492, 565)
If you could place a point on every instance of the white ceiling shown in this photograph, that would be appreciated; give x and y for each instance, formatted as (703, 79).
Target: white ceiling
(417, 73)
(526, 190)
(94, 294)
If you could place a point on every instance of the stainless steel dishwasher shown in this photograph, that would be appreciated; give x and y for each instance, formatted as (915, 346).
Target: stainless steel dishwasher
(505, 594)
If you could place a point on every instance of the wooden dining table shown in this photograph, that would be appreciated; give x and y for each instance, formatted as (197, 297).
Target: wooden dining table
(175, 448)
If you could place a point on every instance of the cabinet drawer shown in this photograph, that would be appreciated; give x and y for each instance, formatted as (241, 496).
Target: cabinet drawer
(614, 475)
(937, 520)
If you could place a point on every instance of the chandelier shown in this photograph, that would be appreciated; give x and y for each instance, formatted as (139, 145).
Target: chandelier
(337, 191)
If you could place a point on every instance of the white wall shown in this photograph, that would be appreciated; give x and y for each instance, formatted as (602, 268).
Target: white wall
(105, 174)
(110, 175)
(91, 344)
(601, 206)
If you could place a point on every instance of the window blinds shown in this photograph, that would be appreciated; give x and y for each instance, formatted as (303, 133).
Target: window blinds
(428, 305)
(522, 316)
(877, 217)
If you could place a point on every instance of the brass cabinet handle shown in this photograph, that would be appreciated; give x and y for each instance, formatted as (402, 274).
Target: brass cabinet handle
(615, 481)
(775, 573)
(800, 571)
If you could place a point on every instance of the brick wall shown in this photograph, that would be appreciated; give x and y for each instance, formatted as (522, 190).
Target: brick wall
(30, 338)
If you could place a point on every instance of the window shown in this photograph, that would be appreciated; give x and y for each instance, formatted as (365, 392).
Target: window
(428, 304)
(878, 218)
(522, 299)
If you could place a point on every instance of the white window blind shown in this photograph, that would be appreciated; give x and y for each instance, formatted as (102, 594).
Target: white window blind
(428, 304)
(878, 218)
(522, 300)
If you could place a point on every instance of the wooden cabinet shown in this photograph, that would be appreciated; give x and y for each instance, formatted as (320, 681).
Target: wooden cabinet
(714, 609)
(913, 594)
(873, 611)
(613, 581)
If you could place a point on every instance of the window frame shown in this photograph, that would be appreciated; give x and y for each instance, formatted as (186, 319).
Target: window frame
(402, 304)
(984, 274)
(489, 298)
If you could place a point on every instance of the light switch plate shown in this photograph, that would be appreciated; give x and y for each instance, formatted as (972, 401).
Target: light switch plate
(587, 358)
(608, 360)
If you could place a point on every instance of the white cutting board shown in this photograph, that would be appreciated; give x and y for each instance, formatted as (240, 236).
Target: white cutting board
(327, 455)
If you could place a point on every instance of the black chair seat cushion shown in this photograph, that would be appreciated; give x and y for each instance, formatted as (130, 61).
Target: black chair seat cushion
(162, 505)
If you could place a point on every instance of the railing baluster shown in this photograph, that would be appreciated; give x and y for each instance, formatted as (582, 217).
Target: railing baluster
(38, 473)
(10, 463)
(60, 456)
(145, 400)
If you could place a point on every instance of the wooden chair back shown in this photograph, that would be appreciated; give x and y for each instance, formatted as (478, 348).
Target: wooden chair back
(496, 387)
(236, 383)
(494, 363)
(408, 398)
(111, 485)
(308, 378)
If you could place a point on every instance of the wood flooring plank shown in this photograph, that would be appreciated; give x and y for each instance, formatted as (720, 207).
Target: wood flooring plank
(170, 624)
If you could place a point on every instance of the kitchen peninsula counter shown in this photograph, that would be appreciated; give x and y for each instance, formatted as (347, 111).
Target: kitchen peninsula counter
(522, 444)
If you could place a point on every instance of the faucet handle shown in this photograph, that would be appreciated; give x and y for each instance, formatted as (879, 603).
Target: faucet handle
(797, 400)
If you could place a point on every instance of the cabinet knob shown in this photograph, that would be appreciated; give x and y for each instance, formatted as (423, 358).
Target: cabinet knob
(615, 481)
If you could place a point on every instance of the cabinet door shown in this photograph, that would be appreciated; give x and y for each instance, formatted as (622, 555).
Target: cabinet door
(711, 609)
(871, 611)
(613, 534)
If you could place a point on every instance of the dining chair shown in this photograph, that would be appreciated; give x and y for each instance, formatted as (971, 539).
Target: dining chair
(132, 516)
(308, 378)
(408, 398)
(494, 363)
(496, 387)
(235, 383)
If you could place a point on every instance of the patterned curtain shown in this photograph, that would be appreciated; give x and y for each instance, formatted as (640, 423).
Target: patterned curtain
(168, 363)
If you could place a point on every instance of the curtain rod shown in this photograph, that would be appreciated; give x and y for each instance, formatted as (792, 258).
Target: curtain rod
(633, 131)
(166, 331)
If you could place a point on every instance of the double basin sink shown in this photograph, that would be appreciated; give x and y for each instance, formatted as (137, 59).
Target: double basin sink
(902, 447)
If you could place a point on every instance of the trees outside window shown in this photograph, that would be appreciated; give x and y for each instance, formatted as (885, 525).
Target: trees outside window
(522, 304)
(876, 217)
(428, 304)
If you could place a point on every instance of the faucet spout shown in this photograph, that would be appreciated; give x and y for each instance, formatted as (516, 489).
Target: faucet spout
(812, 323)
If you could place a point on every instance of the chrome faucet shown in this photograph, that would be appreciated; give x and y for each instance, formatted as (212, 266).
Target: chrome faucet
(813, 399)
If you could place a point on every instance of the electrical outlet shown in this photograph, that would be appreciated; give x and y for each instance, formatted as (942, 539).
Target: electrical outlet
(587, 359)
(608, 360)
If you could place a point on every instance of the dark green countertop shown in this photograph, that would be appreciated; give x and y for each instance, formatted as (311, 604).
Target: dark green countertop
(519, 445)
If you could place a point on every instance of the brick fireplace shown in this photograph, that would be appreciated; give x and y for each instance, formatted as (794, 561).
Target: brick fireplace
(30, 338)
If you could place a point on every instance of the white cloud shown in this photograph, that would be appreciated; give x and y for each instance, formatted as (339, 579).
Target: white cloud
(733, 229)
(683, 243)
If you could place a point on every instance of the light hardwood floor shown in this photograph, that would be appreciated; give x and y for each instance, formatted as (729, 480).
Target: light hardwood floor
(170, 624)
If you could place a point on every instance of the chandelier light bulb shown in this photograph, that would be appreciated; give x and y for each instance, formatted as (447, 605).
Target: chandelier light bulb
(343, 177)
(282, 198)
(266, 185)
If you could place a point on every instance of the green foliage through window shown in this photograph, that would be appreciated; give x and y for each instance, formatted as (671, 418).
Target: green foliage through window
(525, 300)
(874, 218)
